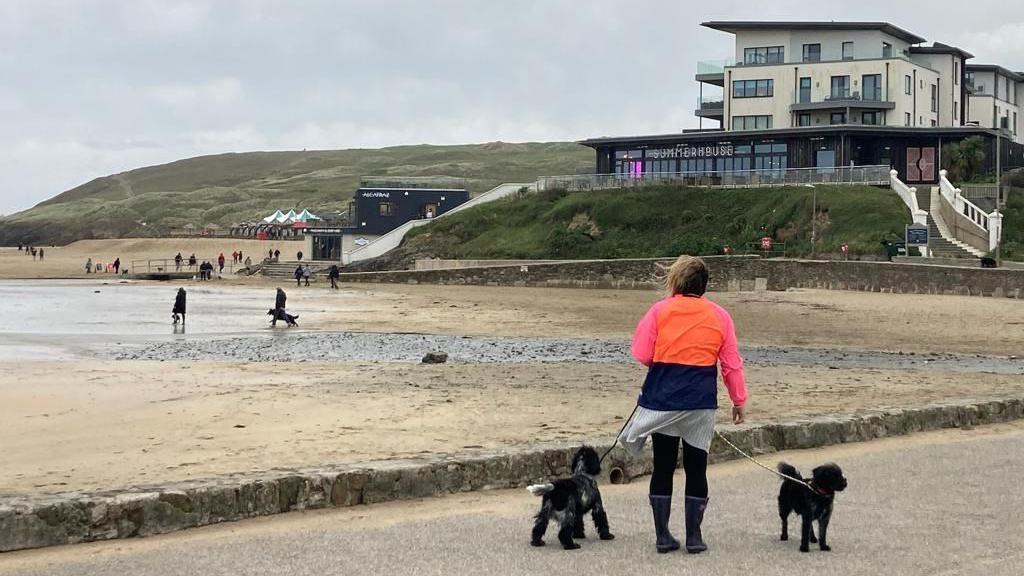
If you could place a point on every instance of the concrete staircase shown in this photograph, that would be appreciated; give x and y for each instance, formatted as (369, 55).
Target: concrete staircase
(285, 270)
(938, 245)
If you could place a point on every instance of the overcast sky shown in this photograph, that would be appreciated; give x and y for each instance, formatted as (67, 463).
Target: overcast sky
(90, 88)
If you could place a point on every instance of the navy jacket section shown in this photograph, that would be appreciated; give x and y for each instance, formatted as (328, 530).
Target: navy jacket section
(678, 387)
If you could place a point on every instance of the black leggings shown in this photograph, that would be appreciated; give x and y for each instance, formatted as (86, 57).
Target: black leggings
(666, 457)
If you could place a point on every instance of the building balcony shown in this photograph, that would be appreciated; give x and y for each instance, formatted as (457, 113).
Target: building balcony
(849, 101)
(712, 71)
(711, 107)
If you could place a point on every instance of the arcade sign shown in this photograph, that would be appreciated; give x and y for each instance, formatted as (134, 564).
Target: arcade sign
(684, 151)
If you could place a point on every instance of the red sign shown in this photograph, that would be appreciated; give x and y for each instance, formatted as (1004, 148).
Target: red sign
(766, 243)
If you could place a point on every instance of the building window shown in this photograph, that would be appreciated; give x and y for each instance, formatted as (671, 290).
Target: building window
(956, 72)
(840, 87)
(387, 208)
(935, 98)
(933, 123)
(871, 87)
(906, 118)
(956, 111)
(969, 79)
(803, 120)
(753, 88)
(907, 84)
(812, 52)
(1014, 127)
(886, 50)
(847, 50)
(751, 122)
(837, 118)
(1010, 94)
(805, 90)
(764, 55)
(869, 118)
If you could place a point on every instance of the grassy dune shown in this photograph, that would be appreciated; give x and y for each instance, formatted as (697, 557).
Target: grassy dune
(229, 188)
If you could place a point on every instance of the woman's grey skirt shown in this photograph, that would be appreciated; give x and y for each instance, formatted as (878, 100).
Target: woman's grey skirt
(695, 427)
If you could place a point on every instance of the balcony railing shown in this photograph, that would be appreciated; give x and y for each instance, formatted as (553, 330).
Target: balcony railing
(711, 103)
(867, 175)
(713, 66)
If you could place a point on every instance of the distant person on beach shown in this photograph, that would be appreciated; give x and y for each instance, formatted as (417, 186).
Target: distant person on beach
(333, 275)
(192, 261)
(277, 255)
(299, 255)
(177, 262)
(280, 299)
(234, 257)
(179, 306)
(40, 254)
(298, 275)
(33, 254)
(220, 262)
(306, 273)
(248, 262)
(239, 255)
(117, 265)
(270, 254)
(88, 266)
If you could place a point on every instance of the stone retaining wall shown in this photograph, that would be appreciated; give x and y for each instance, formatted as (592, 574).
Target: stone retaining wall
(728, 273)
(38, 521)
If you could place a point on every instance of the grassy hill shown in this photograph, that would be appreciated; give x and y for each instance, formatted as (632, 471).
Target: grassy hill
(657, 221)
(229, 188)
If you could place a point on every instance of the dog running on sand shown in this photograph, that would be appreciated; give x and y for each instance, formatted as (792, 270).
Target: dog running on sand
(566, 500)
(811, 505)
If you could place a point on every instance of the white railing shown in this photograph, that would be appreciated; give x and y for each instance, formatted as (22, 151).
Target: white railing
(393, 239)
(988, 224)
(909, 196)
(868, 175)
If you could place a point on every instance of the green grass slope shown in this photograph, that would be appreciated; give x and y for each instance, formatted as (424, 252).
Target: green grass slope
(656, 221)
(1013, 226)
(229, 188)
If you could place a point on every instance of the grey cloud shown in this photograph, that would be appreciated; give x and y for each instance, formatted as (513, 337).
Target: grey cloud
(93, 87)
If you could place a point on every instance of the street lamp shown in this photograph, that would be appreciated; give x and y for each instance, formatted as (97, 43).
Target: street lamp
(814, 215)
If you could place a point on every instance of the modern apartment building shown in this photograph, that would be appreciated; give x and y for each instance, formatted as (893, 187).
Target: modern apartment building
(827, 94)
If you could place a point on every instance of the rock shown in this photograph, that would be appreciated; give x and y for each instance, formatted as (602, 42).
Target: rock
(435, 358)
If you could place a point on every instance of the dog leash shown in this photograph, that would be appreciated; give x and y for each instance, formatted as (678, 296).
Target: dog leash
(772, 470)
(616, 441)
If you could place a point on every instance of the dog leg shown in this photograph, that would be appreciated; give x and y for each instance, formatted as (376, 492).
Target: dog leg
(813, 539)
(823, 530)
(540, 525)
(565, 533)
(805, 532)
(577, 527)
(601, 520)
(784, 514)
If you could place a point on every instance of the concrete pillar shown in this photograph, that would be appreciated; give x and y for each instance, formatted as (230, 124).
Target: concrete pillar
(995, 229)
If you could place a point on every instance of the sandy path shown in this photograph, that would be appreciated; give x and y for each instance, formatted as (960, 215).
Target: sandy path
(69, 261)
(139, 422)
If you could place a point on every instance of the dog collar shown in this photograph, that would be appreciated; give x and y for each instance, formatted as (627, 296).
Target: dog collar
(819, 491)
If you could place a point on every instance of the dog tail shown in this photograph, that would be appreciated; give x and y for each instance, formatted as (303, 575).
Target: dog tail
(540, 489)
(789, 470)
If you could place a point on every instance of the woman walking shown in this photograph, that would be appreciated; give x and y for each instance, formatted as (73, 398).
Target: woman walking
(682, 339)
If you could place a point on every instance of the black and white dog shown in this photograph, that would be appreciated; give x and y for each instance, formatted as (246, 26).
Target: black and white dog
(812, 500)
(568, 499)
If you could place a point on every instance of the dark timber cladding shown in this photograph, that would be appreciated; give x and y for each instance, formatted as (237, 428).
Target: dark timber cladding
(915, 153)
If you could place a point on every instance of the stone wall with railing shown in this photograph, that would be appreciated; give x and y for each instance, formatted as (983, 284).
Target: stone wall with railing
(967, 222)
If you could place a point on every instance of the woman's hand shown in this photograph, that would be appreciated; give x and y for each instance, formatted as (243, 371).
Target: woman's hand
(739, 414)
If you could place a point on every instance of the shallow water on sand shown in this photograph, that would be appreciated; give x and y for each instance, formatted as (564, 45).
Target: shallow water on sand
(57, 319)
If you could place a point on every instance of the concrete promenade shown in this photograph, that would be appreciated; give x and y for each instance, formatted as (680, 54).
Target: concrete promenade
(936, 503)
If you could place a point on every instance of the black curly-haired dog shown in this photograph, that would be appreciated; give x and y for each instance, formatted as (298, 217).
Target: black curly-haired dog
(568, 499)
(811, 504)
(280, 314)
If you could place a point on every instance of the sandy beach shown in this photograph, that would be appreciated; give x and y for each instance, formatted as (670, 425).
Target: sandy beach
(100, 391)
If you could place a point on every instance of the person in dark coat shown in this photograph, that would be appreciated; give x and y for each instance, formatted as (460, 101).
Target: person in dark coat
(281, 299)
(334, 274)
(177, 262)
(299, 255)
(220, 263)
(277, 255)
(117, 265)
(298, 275)
(179, 306)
